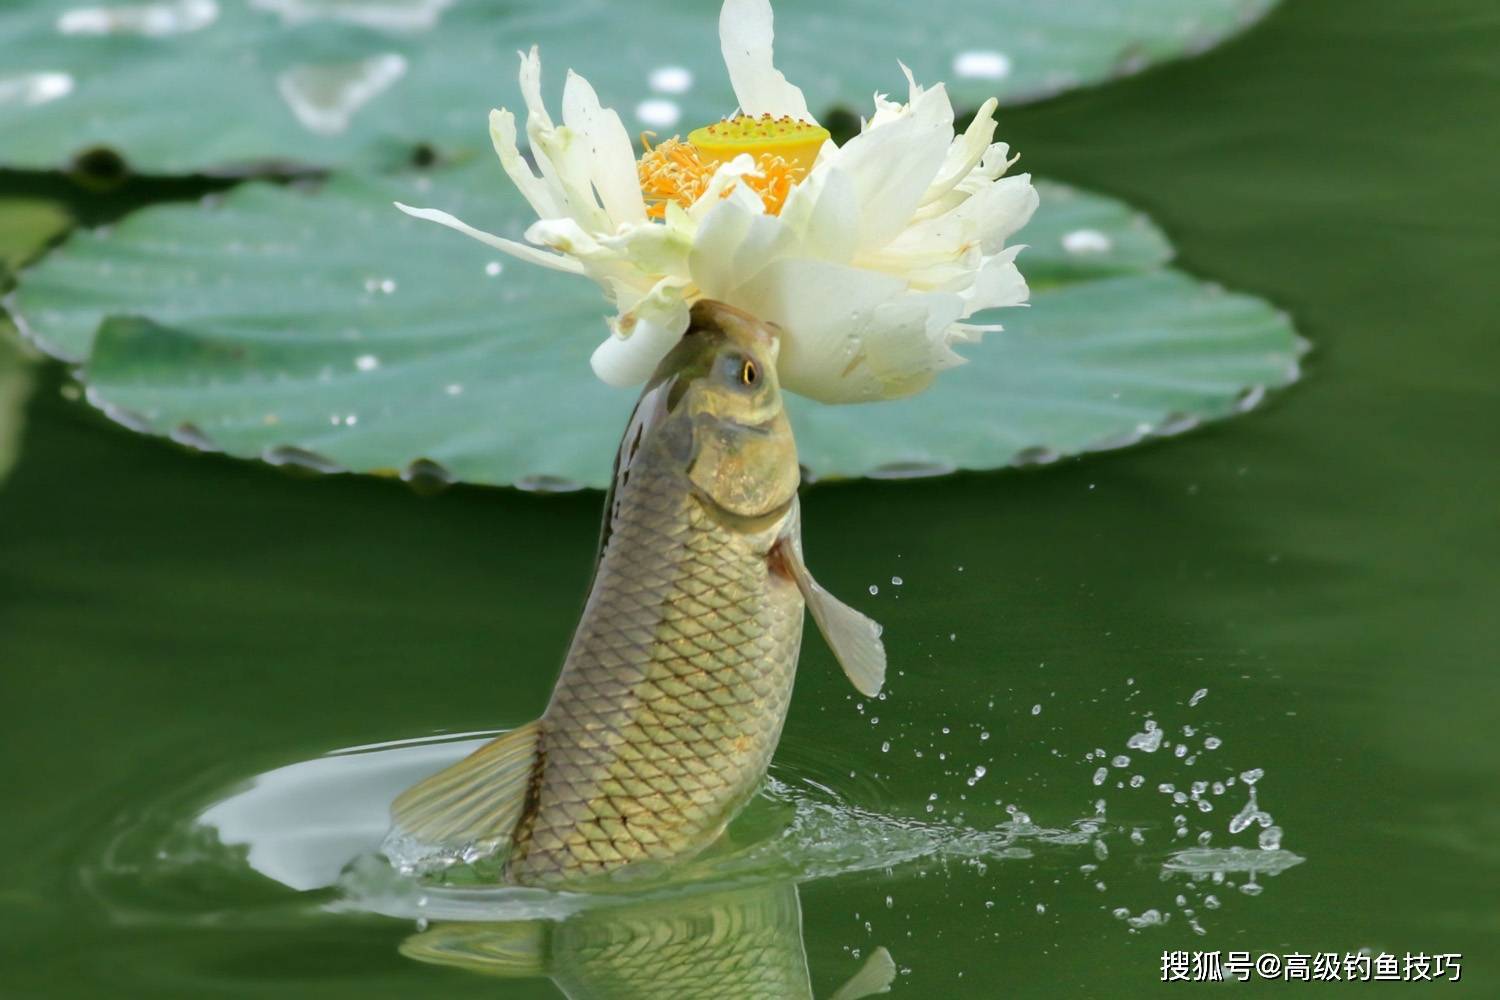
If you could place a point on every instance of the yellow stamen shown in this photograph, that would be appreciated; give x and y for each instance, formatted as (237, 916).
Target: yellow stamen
(677, 171)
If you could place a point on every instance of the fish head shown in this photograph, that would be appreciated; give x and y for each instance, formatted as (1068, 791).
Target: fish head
(724, 405)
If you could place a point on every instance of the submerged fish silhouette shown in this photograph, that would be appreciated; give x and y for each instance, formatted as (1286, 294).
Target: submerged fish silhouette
(742, 943)
(675, 688)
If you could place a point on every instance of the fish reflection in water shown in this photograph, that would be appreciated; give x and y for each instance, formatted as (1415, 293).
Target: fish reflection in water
(744, 943)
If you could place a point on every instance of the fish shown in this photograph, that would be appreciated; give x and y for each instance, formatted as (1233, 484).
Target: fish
(744, 943)
(676, 684)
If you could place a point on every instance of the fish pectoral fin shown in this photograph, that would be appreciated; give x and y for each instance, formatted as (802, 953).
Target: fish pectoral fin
(853, 637)
(875, 976)
(469, 810)
(511, 951)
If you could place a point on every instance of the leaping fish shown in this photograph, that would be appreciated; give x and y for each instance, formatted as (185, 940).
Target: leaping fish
(677, 682)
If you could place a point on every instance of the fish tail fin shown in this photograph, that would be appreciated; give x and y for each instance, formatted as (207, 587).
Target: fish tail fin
(468, 811)
(513, 950)
(875, 976)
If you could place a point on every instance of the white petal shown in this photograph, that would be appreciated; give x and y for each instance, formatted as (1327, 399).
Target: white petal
(532, 187)
(965, 153)
(611, 158)
(824, 212)
(630, 354)
(733, 244)
(851, 335)
(721, 231)
(1000, 210)
(746, 33)
(997, 284)
(521, 250)
(562, 154)
(893, 165)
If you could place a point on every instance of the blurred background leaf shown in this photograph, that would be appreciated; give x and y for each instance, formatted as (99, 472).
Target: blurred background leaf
(328, 330)
(338, 82)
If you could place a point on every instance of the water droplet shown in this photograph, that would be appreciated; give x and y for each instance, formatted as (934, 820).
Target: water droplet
(300, 458)
(1087, 241)
(981, 64)
(493, 268)
(1036, 709)
(1149, 741)
(153, 20)
(670, 79)
(31, 89)
(658, 112)
(874, 589)
(1120, 760)
(1270, 838)
(896, 581)
(1041, 907)
(190, 436)
(325, 97)
(1100, 774)
(383, 15)
(1212, 743)
(885, 747)
(979, 772)
(983, 735)
(1198, 696)
(1251, 776)
(367, 362)
(454, 389)
(548, 484)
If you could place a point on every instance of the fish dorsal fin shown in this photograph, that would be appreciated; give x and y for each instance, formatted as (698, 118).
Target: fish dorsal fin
(853, 637)
(468, 811)
(875, 976)
(648, 413)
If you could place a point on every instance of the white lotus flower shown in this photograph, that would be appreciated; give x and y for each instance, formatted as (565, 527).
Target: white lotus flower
(869, 255)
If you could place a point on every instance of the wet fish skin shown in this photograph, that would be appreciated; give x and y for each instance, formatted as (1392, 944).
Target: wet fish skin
(674, 691)
(677, 682)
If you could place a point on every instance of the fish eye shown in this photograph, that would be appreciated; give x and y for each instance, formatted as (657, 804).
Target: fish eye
(740, 371)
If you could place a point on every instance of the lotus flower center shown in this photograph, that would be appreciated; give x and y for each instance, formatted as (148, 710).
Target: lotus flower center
(784, 150)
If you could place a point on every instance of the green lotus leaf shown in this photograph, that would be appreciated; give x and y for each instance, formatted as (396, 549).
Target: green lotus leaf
(179, 86)
(325, 328)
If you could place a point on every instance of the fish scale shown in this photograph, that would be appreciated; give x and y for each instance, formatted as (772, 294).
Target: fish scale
(678, 678)
(673, 694)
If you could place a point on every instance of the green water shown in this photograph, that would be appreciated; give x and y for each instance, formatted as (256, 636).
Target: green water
(172, 625)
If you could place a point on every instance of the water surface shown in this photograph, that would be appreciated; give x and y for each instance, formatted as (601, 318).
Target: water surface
(174, 627)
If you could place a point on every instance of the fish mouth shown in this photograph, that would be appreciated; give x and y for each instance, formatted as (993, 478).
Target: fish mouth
(763, 429)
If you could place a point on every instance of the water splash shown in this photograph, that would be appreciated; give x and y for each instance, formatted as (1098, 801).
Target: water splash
(670, 79)
(982, 64)
(658, 112)
(325, 97)
(151, 20)
(382, 15)
(31, 89)
(1087, 241)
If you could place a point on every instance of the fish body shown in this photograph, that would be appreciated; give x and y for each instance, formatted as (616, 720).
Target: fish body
(742, 943)
(673, 694)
